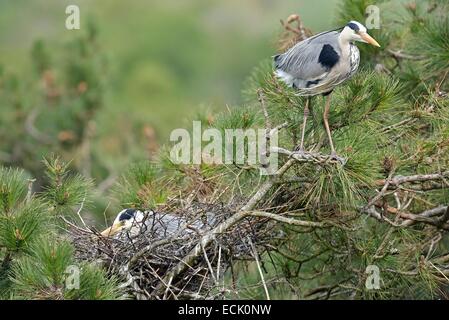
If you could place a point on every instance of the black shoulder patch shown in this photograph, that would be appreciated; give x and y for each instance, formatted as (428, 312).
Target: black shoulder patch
(328, 56)
(128, 214)
(276, 60)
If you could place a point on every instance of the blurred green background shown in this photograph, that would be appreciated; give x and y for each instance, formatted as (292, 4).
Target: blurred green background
(167, 58)
(154, 66)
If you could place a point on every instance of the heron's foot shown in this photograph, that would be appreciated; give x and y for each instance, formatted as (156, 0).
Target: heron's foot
(299, 150)
(336, 157)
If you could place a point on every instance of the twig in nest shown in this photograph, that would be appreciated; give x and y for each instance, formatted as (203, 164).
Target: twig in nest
(224, 226)
(210, 266)
(218, 264)
(257, 259)
(79, 212)
(444, 218)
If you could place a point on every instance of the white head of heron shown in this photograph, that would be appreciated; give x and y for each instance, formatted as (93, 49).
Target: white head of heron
(355, 31)
(125, 220)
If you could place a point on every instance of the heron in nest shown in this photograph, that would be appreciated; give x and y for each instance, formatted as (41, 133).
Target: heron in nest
(127, 220)
(154, 224)
(318, 64)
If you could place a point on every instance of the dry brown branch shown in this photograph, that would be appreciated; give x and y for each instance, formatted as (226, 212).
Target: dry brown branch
(290, 221)
(315, 157)
(398, 180)
(399, 55)
(292, 34)
(107, 183)
(382, 191)
(33, 131)
(410, 219)
(261, 99)
(30, 189)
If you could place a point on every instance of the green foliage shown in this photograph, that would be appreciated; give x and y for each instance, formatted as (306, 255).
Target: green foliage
(45, 272)
(13, 188)
(40, 56)
(138, 186)
(95, 284)
(65, 190)
(356, 10)
(53, 110)
(21, 227)
(35, 259)
(40, 275)
(432, 43)
(391, 118)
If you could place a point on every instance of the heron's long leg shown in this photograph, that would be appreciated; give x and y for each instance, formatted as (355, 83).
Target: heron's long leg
(304, 121)
(326, 122)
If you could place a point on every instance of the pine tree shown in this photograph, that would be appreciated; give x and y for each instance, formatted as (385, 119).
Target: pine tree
(37, 259)
(372, 228)
(52, 107)
(387, 207)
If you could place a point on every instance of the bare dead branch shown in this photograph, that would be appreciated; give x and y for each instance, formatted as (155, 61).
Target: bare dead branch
(33, 131)
(290, 221)
(399, 55)
(315, 157)
(398, 180)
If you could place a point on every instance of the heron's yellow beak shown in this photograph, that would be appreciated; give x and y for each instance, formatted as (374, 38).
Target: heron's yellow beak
(112, 230)
(367, 38)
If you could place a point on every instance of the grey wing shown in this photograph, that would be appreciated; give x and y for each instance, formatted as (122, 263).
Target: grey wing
(302, 60)
(162, 225)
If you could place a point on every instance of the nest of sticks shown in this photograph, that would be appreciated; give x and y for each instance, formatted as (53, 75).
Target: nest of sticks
(152, 263)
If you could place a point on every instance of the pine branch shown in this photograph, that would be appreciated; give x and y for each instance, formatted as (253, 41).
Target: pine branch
(398, 180)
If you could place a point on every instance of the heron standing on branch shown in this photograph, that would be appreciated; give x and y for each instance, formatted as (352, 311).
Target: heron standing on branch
(318, 64)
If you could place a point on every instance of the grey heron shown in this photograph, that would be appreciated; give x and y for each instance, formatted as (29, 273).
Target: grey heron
(154, 224)
(320, 63)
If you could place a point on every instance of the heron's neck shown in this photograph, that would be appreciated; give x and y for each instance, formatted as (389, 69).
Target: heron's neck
(345, 36)
(345, 40)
